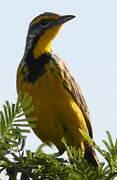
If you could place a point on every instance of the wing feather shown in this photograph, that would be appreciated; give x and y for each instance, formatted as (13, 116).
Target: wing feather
(72, 87)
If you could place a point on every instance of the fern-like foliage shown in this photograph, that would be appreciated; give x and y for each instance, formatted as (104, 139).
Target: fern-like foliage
(109, 169)
(13, 126)
(21, 164)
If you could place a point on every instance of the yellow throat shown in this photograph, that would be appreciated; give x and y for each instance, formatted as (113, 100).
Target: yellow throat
(44, 42)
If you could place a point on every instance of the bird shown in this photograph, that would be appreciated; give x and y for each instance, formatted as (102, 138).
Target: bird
(59, 105)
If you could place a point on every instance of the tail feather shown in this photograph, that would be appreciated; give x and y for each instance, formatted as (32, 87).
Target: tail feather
(90, 156)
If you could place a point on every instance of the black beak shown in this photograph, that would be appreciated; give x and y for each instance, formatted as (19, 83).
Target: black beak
(63, 19)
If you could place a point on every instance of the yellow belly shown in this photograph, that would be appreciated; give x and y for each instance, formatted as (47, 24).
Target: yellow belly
(57, 113)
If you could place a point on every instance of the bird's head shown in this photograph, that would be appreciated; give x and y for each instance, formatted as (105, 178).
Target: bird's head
(42, 31)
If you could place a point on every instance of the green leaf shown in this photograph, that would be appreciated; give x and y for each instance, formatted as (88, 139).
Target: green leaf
(110, 139)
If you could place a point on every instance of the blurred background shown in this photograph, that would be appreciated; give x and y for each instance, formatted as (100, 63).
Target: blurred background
(88, 44)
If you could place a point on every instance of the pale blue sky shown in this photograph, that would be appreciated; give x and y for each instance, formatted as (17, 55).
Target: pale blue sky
(88, 44)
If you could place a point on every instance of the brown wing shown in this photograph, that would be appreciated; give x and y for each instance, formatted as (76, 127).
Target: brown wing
(74, 90)
(72, 87)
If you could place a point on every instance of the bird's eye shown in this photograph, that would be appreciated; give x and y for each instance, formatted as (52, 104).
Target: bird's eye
(44, 22)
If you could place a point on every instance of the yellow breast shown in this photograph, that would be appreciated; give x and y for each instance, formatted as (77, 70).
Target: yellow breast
(57, 113)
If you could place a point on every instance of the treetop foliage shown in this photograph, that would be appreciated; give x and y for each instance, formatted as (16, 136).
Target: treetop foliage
(21, 164)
